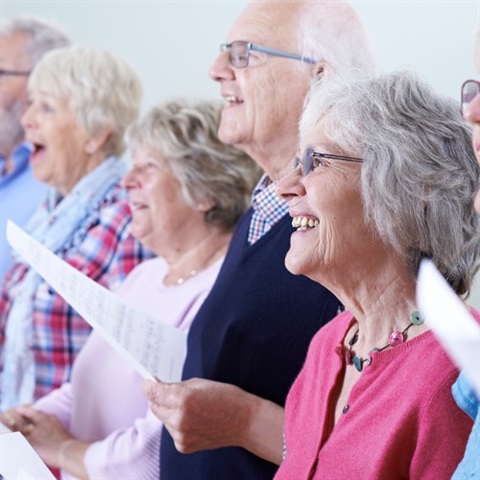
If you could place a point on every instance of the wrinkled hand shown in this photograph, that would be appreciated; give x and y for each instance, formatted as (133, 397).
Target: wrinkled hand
(46, 434)
(14, 420)
(201, 414)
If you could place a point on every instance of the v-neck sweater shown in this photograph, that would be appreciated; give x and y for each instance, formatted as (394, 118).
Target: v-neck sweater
(253, 331)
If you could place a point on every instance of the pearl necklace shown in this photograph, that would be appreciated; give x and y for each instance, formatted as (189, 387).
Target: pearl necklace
(181, 280)
(396, 338)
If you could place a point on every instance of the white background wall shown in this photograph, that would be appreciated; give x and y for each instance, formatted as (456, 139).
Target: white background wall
(172, 43)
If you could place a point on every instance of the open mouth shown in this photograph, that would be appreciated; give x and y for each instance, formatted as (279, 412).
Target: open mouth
(304, 223)
(231, 100)
(37, 150)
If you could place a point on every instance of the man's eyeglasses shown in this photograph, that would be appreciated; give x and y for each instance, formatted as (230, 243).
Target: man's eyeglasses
(312, 159)
(239, 53)
(16, 73)
(470, 89)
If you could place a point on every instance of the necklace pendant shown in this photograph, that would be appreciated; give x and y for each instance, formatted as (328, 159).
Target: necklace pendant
(348, 358)
(416, 318)
(358, 362)
(396, 338)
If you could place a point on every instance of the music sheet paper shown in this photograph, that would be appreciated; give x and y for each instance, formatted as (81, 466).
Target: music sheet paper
(449, 318)
(153, 348)
(19, 461)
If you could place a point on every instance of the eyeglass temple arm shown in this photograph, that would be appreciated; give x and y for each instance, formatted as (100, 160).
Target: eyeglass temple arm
(279, 53)
(337, 157)
(14, 72)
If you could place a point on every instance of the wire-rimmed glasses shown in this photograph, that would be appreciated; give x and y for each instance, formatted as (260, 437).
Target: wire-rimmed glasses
(312, 159)
(239, 53)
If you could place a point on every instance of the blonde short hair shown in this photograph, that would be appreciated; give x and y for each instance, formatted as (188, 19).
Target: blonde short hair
(103, 90)
(185, 135)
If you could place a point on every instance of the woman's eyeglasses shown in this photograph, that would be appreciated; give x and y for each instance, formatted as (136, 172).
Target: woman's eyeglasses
(470, 89)
(312, 159)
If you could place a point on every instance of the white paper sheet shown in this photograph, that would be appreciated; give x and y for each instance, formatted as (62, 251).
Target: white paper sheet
(4, 429)
(449, 318)
(152, 347)
(19, 461)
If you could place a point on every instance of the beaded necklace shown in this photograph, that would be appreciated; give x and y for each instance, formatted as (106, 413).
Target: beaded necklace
(396, 338)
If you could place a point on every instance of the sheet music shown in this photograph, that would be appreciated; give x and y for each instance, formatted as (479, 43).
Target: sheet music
(449, 318)
(19, 461)
(4, 429)
(153, 348)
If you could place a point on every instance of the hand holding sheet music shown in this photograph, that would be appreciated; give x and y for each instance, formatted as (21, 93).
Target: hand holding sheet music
(153, 348)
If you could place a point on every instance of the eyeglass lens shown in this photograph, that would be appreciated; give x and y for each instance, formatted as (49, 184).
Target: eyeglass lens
(306, 162)
(239, 54)
(470, 89)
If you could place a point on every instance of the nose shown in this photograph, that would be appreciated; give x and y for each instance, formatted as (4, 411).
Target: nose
(130, 179)
(221, 69)
(28, 118)
(291, 185)
(472, 114)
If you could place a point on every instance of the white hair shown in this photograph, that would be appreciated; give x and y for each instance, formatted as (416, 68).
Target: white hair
(332, 32)
(103, 90)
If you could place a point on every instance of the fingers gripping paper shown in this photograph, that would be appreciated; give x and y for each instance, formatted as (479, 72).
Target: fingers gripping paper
(152, 347)
(449, 318)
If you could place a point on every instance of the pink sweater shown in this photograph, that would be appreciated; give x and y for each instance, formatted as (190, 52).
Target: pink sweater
(104, 402)
(402, 421)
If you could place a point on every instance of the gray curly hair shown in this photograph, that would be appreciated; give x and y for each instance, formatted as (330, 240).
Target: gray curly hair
(419, 175)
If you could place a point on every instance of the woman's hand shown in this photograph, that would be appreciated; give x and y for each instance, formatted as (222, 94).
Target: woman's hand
(55, 445)
(46, 434)
(14, 420)
(202, 414)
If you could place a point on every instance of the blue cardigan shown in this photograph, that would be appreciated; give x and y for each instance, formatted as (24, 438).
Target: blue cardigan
(252, 331)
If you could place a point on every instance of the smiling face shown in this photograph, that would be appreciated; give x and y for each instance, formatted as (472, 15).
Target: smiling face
(327, 211)
(160, 217)
(13, 91)
(60, 156)
(263, 101)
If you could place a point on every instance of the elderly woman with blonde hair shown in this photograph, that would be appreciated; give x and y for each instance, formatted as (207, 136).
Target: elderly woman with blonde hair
(187, 192)
(81, 102)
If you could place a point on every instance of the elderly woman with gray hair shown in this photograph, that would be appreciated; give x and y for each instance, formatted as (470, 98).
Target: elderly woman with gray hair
(387, 176)
(80, 102)
(187, 191)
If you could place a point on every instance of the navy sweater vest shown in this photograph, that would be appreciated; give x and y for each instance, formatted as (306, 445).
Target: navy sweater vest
(253, 331)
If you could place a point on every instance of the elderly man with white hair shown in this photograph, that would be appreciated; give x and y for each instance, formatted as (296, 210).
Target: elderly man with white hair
(249, 340)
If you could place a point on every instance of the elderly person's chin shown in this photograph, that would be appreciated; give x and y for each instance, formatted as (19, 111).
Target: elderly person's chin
(299, 261)
(231, 131)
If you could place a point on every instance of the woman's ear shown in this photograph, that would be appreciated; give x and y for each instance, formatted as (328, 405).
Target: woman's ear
(205, 205)
(96, 142)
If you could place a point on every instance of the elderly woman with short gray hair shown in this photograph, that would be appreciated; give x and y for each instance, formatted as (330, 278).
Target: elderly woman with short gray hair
(187, 192)
(81, 102)
(387, 177)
